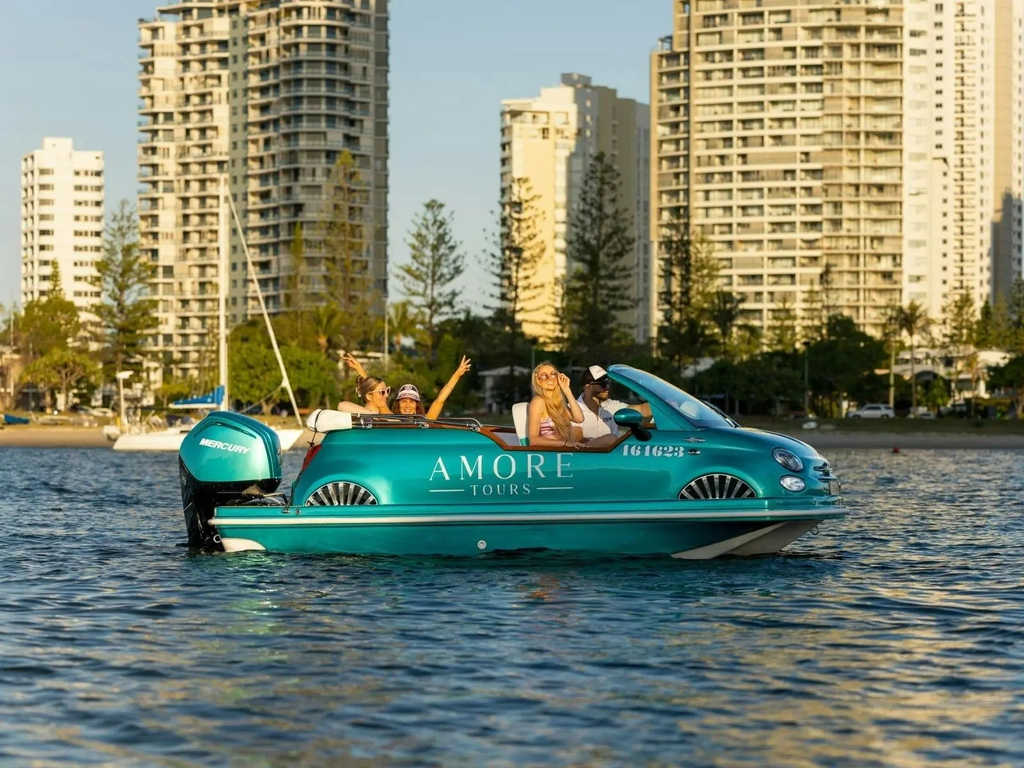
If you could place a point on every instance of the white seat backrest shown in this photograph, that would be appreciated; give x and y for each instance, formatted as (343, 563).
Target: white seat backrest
(520, 419)
(325, 420)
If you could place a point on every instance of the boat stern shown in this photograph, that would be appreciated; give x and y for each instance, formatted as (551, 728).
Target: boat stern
(226, 458)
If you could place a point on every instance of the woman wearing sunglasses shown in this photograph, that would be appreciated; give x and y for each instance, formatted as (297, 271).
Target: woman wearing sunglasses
(553, 412)
(408, 401)
(371, 390)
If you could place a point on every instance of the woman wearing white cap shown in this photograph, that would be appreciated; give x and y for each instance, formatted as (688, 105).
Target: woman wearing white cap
(408, 401)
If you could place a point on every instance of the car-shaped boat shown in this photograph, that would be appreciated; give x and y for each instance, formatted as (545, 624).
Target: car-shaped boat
(684, 481)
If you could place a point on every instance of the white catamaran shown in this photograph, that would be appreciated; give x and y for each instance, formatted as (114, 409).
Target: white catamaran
(170, 439)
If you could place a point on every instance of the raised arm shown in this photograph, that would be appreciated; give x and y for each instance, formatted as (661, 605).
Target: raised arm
(575, 412)
(446, 390)
(355, 365)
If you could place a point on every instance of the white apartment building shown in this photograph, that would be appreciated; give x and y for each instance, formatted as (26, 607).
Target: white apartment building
(61, 221)
(268, 94)
(548, 140)
(879, 138)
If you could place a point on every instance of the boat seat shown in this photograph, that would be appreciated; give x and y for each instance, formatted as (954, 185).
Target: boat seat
(325, 420)
(520, 418)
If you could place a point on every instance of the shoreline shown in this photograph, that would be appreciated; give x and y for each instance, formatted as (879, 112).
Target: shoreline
(909, 440)
(36, 436)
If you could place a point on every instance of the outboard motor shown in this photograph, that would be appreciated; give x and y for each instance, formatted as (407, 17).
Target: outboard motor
(226, 458)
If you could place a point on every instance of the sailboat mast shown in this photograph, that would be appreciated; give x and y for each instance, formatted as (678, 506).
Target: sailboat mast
(222, 279)
(285, 381)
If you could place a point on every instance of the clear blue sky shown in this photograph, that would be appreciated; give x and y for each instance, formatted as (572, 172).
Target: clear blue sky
(70, 70)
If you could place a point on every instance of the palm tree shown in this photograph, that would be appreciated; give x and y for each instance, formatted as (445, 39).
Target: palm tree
(405, 322)
(913, 319)
(891, 337)
(327, 326)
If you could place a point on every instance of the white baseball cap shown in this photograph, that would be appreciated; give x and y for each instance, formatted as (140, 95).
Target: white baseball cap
(594, 373)
(408, 391)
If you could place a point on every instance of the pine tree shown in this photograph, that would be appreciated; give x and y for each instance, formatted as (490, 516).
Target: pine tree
(822, 305)
(1016, 311)
(513, 268)
(51, 322)
(1000, 326)
(435, 263)
(126, 315)
(348, 281)
(983, 328)
(725, 314)
(783, 334)
(599, 287)
(959, 322)
(689, 277)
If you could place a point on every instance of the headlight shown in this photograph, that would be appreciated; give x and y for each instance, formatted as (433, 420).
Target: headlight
(788, 459)
(794, 484)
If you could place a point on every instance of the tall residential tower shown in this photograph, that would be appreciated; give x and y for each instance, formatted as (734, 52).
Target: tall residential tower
(875, 144)
(61, 221)
(268, 94)
(549, 140)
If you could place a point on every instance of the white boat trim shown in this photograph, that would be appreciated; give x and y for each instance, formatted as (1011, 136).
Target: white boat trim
(626, 517)
(241, 545)
(774, 540)
(171, 439)
(711, 551)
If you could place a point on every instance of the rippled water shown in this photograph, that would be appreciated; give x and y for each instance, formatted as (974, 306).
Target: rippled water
(891, 638)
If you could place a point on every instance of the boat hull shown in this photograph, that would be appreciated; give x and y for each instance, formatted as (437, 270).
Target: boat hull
(685, 535)
(171, 440)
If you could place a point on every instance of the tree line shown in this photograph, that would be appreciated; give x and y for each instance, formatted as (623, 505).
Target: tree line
(333, 302)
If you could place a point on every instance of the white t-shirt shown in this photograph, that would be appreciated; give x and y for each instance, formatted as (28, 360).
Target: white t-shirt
(602, 422)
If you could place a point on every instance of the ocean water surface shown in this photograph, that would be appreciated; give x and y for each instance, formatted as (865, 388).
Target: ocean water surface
(892, 638)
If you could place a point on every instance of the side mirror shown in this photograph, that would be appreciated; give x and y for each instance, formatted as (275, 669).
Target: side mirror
(632, 420)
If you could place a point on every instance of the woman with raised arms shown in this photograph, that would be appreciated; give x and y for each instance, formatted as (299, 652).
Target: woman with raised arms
(372, 391)
(408, 401)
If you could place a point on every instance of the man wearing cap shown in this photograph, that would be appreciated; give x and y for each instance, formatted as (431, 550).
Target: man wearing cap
(598, 409)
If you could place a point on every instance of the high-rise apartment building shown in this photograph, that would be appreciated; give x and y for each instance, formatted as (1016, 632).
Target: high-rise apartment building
(548, 141)
(268, 94)
(61, 221)
(877, 144)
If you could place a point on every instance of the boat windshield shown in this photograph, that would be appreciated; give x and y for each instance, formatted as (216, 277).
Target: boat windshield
(697, 412)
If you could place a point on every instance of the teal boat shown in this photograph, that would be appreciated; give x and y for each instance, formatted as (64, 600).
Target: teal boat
(688, 482)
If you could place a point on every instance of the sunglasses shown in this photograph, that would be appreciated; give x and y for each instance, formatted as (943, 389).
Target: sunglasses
(546, 376)
(599, 385)
(384, 392)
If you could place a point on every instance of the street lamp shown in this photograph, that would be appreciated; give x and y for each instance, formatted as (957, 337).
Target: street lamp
(807, 386)
(121, 376)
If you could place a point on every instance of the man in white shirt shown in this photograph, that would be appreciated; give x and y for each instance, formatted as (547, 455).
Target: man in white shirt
(598, 409)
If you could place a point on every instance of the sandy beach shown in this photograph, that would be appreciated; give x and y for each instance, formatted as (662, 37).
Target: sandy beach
(945, 440)
(37, 436)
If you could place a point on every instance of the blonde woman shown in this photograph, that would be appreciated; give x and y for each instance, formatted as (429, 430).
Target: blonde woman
(408, 401)
(553, 411)
(372, 391)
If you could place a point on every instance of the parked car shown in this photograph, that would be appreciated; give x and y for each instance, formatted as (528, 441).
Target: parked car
(101, 411)
(872, 411)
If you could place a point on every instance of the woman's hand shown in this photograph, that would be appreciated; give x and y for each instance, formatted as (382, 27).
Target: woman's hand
(464, 367)
(563, 383)
(355, 365)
